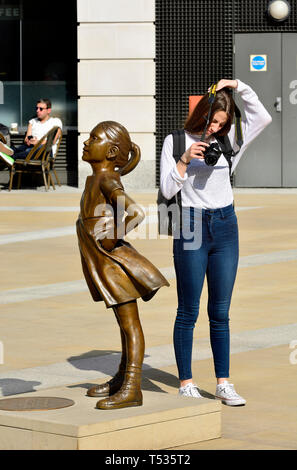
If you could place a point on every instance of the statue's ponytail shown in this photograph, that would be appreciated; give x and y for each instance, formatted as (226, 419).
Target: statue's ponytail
(133, 160)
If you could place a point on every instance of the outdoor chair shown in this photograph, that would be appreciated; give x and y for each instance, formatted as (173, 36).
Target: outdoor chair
(3, 165)
(51, 164)
(2, 138)
(37, 160)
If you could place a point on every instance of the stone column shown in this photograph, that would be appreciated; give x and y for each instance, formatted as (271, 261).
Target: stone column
(116, 77)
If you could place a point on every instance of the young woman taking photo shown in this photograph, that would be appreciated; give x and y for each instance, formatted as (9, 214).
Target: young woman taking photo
(208, 189)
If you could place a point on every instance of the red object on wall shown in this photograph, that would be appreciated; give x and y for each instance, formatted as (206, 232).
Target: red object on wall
(193, 100)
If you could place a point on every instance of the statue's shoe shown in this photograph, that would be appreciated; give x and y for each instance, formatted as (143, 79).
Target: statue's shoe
(124, 398)
(107, 388)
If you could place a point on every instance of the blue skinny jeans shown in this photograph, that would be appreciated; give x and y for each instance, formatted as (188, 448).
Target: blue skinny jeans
(217, 258)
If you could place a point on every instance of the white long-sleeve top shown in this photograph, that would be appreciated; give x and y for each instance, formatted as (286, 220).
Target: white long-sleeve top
(204, 186)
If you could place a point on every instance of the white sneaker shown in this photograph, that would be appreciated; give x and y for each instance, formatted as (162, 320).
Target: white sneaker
(227, 394)
(189, 390)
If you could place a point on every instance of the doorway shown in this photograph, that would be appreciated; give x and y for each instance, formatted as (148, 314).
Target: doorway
(268, 63)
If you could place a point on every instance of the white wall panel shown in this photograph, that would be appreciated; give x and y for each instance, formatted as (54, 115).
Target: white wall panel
(137, 114)
(120, 77)
(116, 76)
(115, 10)
(116, 41)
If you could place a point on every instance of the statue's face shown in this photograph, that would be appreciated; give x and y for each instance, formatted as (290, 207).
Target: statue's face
(97, 146)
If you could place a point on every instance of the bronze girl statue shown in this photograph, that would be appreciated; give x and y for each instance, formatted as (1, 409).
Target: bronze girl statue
(114, 271)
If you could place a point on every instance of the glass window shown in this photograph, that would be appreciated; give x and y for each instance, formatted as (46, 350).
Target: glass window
(10, 98)
(38, 60)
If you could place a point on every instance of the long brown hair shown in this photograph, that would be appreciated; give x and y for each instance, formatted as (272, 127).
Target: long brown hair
(196, 121)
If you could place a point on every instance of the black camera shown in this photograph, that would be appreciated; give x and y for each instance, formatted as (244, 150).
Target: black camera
(212, 154)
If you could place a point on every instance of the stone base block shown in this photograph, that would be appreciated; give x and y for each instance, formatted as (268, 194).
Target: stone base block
(164, 421)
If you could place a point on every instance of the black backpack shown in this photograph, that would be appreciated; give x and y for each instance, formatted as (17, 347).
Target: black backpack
(168, 209)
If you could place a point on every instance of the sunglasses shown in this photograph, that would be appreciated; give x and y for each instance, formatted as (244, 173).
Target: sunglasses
(40, 108)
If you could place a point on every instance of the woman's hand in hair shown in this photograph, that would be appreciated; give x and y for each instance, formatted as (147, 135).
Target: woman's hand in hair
(225, 83)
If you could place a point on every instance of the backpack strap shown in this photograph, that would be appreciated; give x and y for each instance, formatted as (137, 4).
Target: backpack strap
(227, 149)
(179, 146)
(179, 143)
(165, 225)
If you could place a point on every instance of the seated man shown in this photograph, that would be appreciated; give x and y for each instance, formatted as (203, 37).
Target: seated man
(38, 127)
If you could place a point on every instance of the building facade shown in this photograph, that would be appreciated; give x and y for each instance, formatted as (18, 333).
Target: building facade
(138, 61)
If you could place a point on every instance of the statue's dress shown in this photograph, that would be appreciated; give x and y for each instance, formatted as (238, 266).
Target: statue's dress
(122, 274)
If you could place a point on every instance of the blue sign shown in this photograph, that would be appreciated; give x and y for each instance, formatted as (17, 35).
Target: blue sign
(258, 62)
